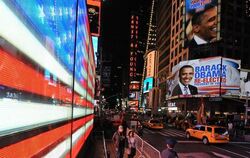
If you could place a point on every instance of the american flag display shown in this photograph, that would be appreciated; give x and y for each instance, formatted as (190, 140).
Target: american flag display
(47, 73)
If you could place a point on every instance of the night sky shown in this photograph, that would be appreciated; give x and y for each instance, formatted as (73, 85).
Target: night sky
(115, 39)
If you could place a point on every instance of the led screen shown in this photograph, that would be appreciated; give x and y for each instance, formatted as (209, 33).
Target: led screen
(94, 14)
(95, 46)
(47, 78)
(245, 83)
(201, 22)
(148, 84)
(205, 78)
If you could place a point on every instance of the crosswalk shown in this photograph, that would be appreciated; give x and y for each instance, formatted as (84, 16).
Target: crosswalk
(166, 132)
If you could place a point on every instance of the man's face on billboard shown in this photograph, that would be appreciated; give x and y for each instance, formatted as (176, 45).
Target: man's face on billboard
(208, 25)
(186, 75)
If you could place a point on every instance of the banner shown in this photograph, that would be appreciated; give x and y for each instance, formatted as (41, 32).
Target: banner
(205, 77)
(148, 84)
(244, 82)
(201, 22)
(150, 64)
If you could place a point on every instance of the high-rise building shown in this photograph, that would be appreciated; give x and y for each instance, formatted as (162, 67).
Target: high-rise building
(151, 39)
(232, 35)
(143, 38)
(169, 40)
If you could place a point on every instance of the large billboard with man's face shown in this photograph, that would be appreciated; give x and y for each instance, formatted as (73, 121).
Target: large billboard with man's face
(201, 22)
(206, 77)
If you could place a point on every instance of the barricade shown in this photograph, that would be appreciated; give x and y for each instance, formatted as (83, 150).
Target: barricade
(146, 150)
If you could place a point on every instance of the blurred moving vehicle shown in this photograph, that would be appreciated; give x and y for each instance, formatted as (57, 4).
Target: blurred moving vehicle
(208, 134)
(184, 122)
(153, 124)
(136, 126)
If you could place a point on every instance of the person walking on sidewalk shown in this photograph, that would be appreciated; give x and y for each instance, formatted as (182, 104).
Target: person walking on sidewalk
(169, 151)
(131, 150)
(119, 142)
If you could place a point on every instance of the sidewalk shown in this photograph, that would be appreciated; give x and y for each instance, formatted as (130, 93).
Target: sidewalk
(111, 149)
(99, 149)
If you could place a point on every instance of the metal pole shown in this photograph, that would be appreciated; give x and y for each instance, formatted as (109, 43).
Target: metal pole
(246, 105)
(104, 145)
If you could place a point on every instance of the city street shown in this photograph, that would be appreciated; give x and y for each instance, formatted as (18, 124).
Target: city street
(194, 147)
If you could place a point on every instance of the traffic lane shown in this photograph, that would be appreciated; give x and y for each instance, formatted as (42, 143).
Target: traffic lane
(157, 139)
(195, 146)
(233, 150)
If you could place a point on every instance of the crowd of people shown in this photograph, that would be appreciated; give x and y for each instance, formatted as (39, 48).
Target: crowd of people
(126, 144)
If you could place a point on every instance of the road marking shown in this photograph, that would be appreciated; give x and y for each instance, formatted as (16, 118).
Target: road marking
(167, 134)
(231, 152)
(239, 143)
(161, 133)
(149, 131)
(220, 155)
(176, 133)
(242, 146)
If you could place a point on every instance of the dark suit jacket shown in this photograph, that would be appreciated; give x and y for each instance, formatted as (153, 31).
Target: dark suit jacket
(177, 90)
(192, 43)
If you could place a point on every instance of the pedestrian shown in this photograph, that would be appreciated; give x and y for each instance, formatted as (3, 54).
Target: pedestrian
(119, 142)
(169, 151)
(131, 150)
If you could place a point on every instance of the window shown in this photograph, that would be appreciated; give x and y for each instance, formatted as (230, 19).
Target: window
(197, 128)
(220, 130)
(202, 128)
(209, 129)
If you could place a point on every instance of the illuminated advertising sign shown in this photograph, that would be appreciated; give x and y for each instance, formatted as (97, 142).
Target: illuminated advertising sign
(95, 46)
(134, 95)
(94, 12)
(134, 86)
(148, 84)
(201, 22)
(205, 77)
(133, 104)
(47, 78)
(150, 64)
(244, 82)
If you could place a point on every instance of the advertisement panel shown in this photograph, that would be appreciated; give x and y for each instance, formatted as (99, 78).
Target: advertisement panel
(134, 86)
(134, 95)
(150, 64)
(47, 78)
(244, 82)
(201, 22)
(94, 12)
(148, 84)
(95, 46)
(206, 77)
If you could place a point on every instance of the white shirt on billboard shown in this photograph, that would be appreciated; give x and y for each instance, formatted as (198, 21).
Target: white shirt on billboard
(199, 40)
(184, 90)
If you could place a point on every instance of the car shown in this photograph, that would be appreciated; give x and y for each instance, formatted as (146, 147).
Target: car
(136, 126)
(208, 134)
(153, 124)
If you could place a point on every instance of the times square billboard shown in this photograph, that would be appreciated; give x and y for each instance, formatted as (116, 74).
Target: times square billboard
(208, 77)
(202, 22)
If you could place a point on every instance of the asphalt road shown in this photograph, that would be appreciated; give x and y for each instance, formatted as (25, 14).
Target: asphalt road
(193, 147)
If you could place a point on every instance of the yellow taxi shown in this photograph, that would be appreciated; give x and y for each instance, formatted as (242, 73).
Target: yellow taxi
(153, 124)
(208, 134)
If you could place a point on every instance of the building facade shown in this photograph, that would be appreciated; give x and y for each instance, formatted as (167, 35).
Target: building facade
(232, 42)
